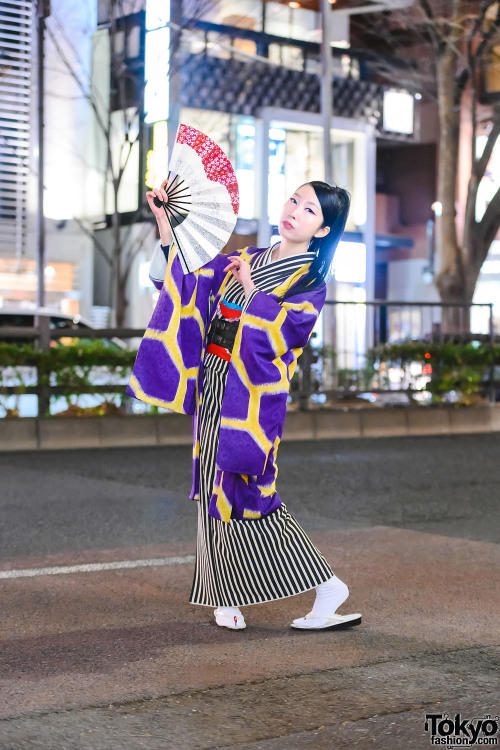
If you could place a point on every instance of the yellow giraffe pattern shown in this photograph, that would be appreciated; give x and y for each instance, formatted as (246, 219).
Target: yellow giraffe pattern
(279, 347)
(169, 337)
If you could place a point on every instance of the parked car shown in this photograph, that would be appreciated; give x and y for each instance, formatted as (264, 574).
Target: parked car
(11, 317)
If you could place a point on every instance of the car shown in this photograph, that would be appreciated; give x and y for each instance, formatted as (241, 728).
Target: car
(12, 317)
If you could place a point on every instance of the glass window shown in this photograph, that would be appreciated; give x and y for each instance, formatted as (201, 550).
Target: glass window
(134, 42)
(217, 125)
(296, 156)
(193, 41)
(289, 57)
(277, 179)
(247, 14)
(293, 23)
(128, 193)
(236, 137)
(131, 39)
(245, 166)
(304, 158)
(491, 180)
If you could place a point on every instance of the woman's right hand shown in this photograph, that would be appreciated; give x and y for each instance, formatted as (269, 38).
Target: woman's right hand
(159, 213)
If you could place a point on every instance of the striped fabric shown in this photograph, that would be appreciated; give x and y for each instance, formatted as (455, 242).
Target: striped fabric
(247, 561)
(266, 276)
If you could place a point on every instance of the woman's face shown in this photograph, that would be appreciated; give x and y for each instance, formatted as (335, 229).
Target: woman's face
(302, 218)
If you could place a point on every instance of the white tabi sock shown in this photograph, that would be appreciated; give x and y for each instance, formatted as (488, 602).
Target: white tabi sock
(229, 617)
(229, 611)
(329, 596)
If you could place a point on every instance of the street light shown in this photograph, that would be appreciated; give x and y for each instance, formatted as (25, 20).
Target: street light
(326, 87)
(42, 12)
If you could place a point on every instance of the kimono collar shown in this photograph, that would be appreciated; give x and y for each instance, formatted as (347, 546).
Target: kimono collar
(282, 288)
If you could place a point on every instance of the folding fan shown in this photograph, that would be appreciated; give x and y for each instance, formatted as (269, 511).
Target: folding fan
(202, 196)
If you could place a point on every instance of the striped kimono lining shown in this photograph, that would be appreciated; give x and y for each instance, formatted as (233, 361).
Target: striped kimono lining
(251, 561)
(266, 275)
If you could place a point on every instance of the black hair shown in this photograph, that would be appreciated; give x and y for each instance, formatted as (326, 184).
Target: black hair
(335, 203)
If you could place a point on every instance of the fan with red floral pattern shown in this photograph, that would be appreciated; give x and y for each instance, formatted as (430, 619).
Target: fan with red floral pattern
(203, 198)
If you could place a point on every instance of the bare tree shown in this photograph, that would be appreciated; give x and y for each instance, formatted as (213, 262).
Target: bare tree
(451, 42)
(125, 245)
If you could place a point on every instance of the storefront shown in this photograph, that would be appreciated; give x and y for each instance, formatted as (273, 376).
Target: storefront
(19, 282)
(274, 154)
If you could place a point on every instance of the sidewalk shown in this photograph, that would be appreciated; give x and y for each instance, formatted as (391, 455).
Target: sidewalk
(113, 657)
(60, 433)
(119, 661)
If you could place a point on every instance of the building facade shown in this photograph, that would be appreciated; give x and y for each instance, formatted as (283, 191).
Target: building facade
(68, 272)
(248, 74)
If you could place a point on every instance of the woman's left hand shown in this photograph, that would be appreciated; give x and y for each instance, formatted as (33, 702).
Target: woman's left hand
(241, 271)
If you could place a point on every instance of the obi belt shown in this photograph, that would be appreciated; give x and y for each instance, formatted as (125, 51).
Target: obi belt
(222, 332)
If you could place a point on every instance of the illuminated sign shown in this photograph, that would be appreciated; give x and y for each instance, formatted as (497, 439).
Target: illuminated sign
(349, 262)
(157, 14)
(398, 112)
(157, 158)
(156, 67)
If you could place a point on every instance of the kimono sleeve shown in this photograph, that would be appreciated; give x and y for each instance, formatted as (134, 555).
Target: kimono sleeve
(167, 365)
(158, 264)
(288, 324)
(271, 337)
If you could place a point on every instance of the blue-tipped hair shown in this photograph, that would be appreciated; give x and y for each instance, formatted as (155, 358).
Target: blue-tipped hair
(335, 203)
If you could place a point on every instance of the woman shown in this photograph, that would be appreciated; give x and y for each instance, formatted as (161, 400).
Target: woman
(222, 345)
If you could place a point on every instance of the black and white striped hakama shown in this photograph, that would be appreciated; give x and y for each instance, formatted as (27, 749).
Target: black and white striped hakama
(245, 561)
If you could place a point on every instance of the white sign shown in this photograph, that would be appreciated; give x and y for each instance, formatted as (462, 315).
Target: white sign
(156, 67)
(349, 262)
(398, 112)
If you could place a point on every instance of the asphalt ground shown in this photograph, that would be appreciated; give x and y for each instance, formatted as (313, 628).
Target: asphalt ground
(109, 657)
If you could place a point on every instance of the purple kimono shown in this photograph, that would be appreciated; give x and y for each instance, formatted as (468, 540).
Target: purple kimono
(168, 372)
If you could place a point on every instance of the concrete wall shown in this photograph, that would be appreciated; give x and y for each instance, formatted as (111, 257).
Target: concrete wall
(176, 429)
(406, 281)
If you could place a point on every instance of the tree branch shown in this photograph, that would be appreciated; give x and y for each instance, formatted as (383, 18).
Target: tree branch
(79, 83)
(437, 37)
(99, 247)
(490, 223)
(480, 164)
(133, 253)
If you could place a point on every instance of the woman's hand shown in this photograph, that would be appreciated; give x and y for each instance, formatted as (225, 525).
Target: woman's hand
(241, 271)
(160, 215)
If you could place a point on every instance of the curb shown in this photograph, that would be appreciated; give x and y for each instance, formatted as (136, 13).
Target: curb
(176, 429)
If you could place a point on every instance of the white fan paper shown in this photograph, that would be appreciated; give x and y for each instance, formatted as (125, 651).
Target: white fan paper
(203, 198)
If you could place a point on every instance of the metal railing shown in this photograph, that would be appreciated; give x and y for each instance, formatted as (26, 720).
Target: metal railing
(355, 330)
(42, 336)
(361, 63)
(333, 368)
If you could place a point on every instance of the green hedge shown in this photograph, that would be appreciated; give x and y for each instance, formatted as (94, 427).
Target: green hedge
(70, 368)
(455, 367)
(91, 354)
(448, 354)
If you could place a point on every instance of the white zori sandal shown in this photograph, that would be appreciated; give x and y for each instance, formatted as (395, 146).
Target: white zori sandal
(329, 596)
(333, 622)
(229, 617)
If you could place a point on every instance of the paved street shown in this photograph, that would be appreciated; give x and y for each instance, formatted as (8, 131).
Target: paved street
(115, 658)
